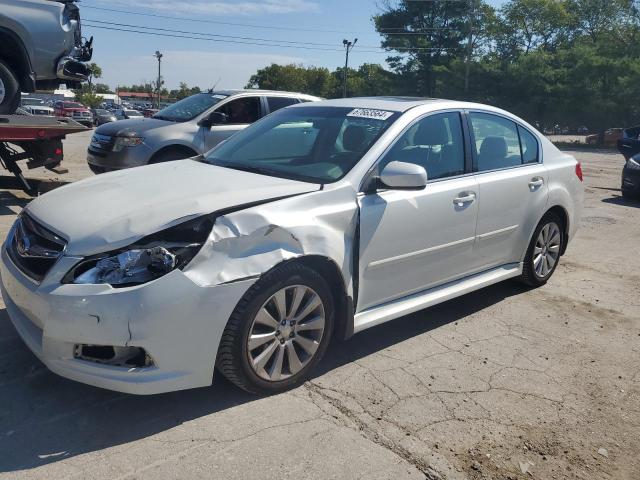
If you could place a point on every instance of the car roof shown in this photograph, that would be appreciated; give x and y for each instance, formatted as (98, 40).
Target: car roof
(400, 104)
(231, 92)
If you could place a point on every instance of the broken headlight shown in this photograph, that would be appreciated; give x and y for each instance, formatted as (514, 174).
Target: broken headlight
(147, 259)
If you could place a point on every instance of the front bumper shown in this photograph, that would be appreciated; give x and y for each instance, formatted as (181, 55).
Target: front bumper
(631, 180)
(128, 157)
(178, 322)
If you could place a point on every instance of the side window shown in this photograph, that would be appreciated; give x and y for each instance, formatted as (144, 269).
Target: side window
(529, 146)
(434, 142)
(242, 110)
(276, 103)
(496, 142)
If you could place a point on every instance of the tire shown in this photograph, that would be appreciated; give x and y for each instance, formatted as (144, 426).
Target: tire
(534, 273)
(9, 90)
(171, 155)
(277, 369)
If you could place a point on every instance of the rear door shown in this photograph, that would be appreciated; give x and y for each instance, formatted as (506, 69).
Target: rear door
(241, 112)
(276, 103)
(513, 187)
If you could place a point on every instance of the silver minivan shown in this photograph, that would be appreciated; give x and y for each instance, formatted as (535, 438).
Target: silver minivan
(185, 129)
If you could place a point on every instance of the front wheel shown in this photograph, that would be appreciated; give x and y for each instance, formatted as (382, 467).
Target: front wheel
(544, 250)
(278, 332)
(9, 90)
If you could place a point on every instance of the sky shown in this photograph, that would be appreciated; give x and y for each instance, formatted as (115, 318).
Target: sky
(318, 25)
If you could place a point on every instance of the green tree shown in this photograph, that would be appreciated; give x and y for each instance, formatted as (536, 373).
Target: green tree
(184, 91)
(94, 72)
(102, 88)
(427, 37)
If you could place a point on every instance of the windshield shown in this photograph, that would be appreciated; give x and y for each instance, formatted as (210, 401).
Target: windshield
(99, 111)
(132, 113)
(72, 105)
(32, 101)
(190, 107)
(311, 144)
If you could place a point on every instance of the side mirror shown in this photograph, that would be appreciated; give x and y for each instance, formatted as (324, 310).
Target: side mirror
(403, 176)
(214, 118)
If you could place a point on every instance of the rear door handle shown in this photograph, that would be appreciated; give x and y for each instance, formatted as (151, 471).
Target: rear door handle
(536, 182)
(462, 199)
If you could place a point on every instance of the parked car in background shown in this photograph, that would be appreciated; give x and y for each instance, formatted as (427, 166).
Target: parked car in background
(150, 112)
(319, 221)
(127, 114)
(41, 47)
(631, 177)
(629, 144)
(36, 106)
(582, 130)
(75, 111)
(102, 116)
(187, 128)
(609, 138)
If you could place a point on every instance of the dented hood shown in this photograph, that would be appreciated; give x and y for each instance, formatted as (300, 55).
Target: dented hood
(113, 210)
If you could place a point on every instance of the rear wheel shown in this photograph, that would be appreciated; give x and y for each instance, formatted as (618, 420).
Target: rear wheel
(278, 332)
(544, 250)
(9, 90)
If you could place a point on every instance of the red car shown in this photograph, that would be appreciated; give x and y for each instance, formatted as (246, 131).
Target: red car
(75, 111)
(150, 112)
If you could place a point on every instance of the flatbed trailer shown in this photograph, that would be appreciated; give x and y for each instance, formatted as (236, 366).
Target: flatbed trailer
(38, 140)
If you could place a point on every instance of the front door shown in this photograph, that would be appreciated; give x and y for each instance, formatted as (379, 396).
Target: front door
(414, 240)
(240, 113)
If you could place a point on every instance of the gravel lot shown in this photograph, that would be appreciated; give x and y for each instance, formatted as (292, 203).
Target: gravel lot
(505, 383)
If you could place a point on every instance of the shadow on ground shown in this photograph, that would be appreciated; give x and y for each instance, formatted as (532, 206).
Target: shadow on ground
(8, 200)
(623, 202)
(45, 418)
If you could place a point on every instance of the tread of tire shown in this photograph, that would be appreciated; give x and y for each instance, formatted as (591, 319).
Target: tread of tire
(225, 361)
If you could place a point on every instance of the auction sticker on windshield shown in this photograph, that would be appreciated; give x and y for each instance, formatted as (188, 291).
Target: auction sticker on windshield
(369, 113)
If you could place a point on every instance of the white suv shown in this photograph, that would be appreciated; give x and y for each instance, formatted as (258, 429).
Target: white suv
(318, 221)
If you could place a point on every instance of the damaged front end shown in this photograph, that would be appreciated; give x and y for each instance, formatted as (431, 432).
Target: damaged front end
(145, 260)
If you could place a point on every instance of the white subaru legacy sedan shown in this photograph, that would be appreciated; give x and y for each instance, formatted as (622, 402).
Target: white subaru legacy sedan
(316, 222)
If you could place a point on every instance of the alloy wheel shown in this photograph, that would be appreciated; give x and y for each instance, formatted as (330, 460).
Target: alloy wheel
(286, 333)
(547, 249)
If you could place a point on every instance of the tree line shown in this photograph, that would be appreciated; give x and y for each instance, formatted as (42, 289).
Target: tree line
(566, 62)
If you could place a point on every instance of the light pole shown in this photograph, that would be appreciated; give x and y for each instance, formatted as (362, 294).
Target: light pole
(347, 48)
(158, 55)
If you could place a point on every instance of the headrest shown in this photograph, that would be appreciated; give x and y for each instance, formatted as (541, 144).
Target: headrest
(431, 133)
(494, 147)
(353, 138)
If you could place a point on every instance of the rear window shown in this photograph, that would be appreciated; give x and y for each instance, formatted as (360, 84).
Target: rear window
(276, 103)
(72, 105)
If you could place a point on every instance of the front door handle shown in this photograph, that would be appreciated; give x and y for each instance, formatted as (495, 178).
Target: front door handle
(536, 182)
(462, 199)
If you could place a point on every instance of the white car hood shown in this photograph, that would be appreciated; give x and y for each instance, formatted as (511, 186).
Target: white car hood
(113, 210)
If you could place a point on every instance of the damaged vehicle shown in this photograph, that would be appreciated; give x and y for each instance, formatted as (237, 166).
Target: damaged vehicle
(314, 223)
(41, 47)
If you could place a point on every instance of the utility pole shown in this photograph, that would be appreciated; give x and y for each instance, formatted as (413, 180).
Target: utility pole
(158, 55)
(347, 48)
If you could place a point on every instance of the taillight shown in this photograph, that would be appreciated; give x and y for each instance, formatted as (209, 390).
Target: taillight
(579, 171)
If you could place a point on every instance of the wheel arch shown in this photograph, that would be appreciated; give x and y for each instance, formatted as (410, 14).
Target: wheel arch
(564, 216)
(331, 273)
(177, 147)
(12, 49)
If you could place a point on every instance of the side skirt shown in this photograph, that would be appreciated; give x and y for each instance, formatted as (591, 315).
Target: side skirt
(397, 308)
